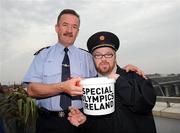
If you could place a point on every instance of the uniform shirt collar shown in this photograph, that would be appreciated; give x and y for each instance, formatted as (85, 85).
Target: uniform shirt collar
(61, 47)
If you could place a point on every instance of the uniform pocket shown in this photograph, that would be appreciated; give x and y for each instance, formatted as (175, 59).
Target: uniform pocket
(52, 72)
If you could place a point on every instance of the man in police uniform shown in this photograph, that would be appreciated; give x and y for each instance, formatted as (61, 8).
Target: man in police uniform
(134, 95)
(44, 75)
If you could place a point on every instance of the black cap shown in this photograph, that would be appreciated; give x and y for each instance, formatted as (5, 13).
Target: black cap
(103, 39)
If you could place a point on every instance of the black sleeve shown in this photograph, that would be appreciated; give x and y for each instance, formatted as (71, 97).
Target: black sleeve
(138, 93)
(123, 92)
(144, 95)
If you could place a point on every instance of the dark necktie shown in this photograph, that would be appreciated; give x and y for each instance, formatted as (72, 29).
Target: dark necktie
(65, 100)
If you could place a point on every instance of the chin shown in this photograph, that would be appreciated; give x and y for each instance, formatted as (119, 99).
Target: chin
(104, 71)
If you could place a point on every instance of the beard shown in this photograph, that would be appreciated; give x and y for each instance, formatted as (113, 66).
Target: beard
(105, 68)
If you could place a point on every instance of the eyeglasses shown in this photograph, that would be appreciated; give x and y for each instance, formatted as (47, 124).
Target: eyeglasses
(100, 56)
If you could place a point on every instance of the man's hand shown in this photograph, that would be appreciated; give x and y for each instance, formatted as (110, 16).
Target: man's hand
(76, 117)
(133, 68)
(72, 87)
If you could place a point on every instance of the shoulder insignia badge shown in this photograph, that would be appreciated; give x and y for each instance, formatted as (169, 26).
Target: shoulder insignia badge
(41, 50)
(83, 50)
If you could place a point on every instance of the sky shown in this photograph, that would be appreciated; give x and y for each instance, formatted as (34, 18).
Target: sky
(149, 32)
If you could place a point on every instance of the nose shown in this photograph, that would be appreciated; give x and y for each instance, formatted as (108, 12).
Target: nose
(69, 28)
(103, 57)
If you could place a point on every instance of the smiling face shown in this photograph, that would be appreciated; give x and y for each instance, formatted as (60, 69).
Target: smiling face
(67, 29)
(104, 59)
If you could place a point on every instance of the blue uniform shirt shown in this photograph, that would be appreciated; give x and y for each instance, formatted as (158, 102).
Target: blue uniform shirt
(46, 68)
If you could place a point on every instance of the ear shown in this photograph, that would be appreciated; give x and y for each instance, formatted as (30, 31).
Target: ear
(115, 58)
(56, 28)
(78, 32)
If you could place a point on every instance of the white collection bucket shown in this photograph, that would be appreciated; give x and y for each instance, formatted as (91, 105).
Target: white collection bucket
(98, 96)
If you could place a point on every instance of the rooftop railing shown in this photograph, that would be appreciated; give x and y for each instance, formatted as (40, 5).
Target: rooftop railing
(168, 100)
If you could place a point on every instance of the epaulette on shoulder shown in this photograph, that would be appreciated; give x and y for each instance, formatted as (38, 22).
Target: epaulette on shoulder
(41, 50)
(83, 50)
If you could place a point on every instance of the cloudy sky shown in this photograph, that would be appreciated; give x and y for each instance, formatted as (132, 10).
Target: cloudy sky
(149, 31)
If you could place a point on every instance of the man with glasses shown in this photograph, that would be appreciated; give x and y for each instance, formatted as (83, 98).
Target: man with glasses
(134, 95)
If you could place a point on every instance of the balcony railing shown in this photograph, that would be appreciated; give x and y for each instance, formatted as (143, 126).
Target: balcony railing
(168, 100)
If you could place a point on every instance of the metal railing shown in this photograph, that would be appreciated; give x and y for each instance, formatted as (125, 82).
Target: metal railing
(165, 94)
(168, 100)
